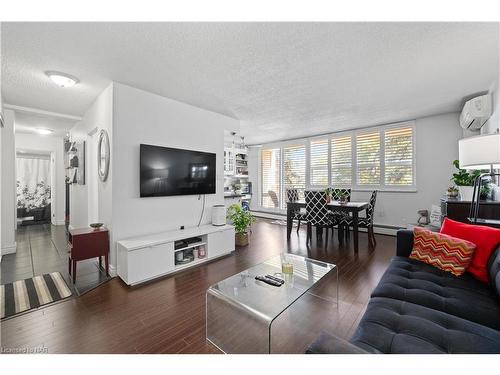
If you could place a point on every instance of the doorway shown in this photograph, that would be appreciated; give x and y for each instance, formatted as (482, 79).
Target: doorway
(34, 187)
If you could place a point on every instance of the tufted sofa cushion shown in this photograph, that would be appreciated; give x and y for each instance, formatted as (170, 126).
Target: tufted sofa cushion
(395, 326)
(494, 270)
(416, 282)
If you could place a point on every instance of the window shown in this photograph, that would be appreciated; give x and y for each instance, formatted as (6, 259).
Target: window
(319, 162)
(368, 158)
(398, 145)
(341, 160)
(271, 178)
(294, 168)
(381, 157)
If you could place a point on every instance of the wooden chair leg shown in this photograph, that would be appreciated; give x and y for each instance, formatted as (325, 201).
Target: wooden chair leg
(106, 262)
(100, 263)
(298, 226)
(373, 236)
(74, 271)
(69, 265)
(341, 234)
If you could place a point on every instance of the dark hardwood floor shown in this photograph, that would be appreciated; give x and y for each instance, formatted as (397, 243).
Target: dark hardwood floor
(42, 248)
(168, 315)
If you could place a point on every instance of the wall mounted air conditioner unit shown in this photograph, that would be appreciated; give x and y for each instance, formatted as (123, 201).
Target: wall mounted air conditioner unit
(476, 112)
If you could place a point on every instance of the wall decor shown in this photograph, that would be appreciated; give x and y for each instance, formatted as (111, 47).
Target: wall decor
(80, 170)
(103, 155)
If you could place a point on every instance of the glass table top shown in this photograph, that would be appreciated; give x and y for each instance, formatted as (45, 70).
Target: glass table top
(265, 300)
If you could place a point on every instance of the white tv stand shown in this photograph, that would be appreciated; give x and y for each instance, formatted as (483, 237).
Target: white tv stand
(145, 258)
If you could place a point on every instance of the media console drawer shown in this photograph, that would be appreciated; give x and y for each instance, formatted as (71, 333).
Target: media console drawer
(220, 243)
(150, 262)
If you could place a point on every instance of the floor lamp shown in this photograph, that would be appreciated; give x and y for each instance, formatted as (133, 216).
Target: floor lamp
(480, 152)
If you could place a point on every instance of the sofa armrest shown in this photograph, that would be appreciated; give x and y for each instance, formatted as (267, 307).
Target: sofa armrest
(326, 343)
(404, 242)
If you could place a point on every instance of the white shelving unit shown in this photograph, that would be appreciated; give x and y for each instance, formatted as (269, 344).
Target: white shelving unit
(190, 246)
(145, 258)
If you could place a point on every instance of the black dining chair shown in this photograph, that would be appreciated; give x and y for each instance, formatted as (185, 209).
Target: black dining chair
(292, 195)
(364, 222)
(317, 213)
(336, 194)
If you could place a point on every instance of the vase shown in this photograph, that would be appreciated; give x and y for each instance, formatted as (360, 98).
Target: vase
(466, 192)
(241, 239)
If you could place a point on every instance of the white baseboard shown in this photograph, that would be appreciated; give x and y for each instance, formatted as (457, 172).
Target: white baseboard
(11, 249)
(268, 215)
(112, 270)
(60, 222)
(377, 228)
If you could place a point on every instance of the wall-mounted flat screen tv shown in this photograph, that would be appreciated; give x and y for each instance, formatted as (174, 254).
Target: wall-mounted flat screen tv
(171, 171)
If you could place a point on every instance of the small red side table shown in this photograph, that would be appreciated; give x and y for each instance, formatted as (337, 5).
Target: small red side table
(87, 243)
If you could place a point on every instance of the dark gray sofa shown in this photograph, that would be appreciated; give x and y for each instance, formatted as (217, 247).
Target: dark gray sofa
(417, 308)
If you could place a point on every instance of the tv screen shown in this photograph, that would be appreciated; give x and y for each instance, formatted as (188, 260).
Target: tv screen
(170, 171)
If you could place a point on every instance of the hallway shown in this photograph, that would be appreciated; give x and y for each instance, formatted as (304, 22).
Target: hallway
(41, 249)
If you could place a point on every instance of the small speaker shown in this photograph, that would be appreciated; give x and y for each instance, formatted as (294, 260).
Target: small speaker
(219, 215)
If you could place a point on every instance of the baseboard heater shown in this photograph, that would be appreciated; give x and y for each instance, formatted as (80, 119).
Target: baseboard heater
(378, 228)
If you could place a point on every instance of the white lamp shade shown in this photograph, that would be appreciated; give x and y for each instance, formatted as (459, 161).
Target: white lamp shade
(479, 152)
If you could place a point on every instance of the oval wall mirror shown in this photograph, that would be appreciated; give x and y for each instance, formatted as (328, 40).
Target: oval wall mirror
(103, 155)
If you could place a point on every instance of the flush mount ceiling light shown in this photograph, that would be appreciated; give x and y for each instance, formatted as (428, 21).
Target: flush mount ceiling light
(62, 79)
(43, 131)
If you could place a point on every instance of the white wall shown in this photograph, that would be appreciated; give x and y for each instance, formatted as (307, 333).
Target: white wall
(436, 147)
(55, 145)
(142, 117)
(8, 194)
(493, 124)
(100, 116)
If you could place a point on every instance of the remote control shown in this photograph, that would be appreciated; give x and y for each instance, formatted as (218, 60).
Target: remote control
(267, 281)
(275, 279)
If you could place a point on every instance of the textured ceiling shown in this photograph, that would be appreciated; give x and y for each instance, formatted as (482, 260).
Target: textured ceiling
(281, 80)
(28, 122)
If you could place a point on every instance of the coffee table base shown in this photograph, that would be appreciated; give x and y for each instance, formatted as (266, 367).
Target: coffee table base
(237, 329)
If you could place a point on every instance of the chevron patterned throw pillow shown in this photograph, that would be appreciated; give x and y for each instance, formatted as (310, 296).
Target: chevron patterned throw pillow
(441, 251)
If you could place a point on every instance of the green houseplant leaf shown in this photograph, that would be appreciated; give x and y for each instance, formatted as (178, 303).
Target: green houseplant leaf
(241, 219)
(462, 177)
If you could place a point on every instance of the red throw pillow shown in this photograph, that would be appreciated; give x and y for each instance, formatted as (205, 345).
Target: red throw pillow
(441, 251)
(485, 238)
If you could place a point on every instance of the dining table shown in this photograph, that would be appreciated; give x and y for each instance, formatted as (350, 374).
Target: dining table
(353, 208)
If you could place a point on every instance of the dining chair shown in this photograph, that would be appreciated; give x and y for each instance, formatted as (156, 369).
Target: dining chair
(364, 222)
(336, 194)
(317, 213)
(292, 195)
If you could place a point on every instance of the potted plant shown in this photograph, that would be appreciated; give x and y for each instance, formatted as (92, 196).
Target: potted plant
(452, 192)
(241, 220)
(485, 191)
(465, 181)
(329, 193)
(342, 197)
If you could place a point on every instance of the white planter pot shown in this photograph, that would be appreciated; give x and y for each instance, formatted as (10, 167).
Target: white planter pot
(466, 192)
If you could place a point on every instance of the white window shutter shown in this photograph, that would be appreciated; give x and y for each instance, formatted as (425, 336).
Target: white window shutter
(398, 144)
(341, 160)
(271, 178)
(318, 151)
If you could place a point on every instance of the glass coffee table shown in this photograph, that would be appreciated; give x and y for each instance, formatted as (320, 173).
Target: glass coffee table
(240, 310)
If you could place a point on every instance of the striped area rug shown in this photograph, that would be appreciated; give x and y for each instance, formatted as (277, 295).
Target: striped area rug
(31, 293)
